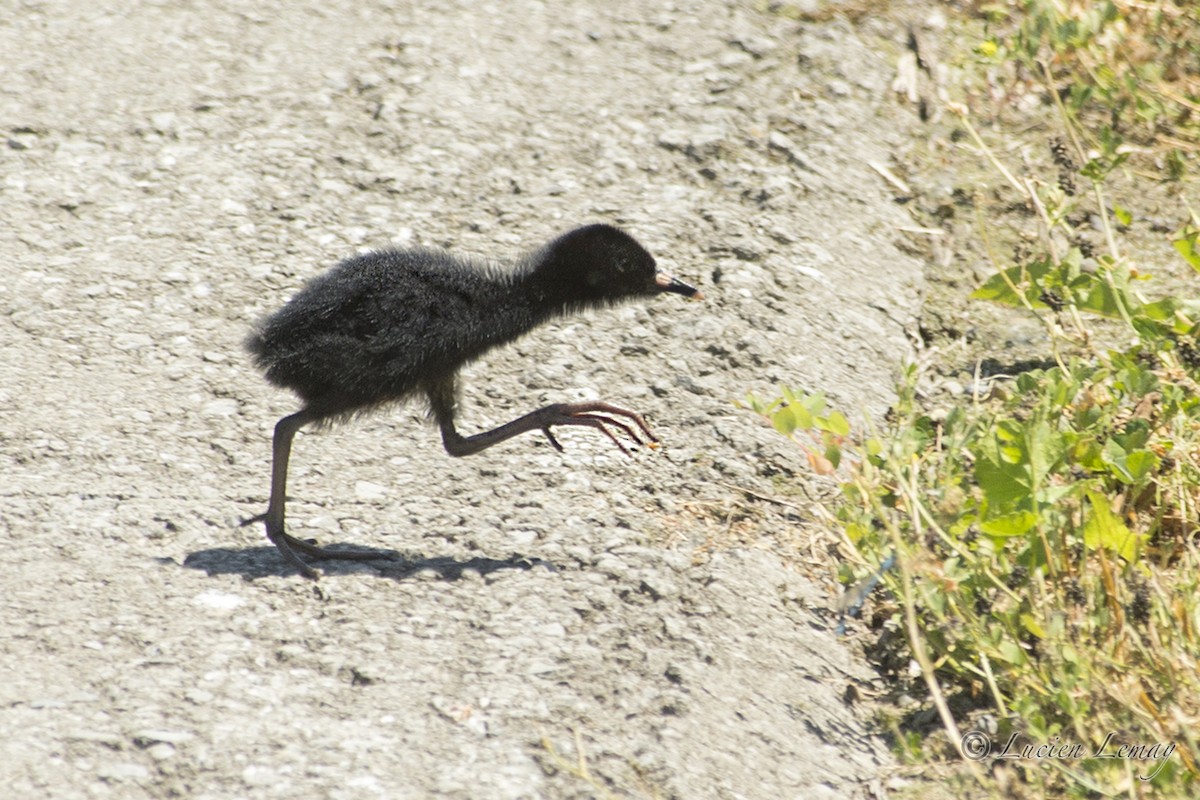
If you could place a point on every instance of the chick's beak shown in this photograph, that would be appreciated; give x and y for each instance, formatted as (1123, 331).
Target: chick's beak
(666, 283)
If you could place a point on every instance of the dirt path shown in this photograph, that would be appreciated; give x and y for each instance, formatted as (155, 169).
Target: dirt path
(174, 170)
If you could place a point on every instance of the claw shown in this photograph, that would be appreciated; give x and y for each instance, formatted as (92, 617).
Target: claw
(600, 415)
(615, 423)
(600, 423)
(553, 441)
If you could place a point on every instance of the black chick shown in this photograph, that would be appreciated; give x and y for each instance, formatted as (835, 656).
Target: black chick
(385, 325)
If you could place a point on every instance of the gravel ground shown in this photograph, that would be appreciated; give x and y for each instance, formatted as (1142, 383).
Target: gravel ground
(560, 625)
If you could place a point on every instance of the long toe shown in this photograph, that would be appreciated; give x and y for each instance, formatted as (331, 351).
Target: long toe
(323, 553)
(283, 543)
(600, 416)
(601, 424)
(598, 407)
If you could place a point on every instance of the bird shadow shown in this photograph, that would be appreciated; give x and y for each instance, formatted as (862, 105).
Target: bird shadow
(262, 562)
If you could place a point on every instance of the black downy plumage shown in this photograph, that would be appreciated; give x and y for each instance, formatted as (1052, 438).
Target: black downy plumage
(386, 325)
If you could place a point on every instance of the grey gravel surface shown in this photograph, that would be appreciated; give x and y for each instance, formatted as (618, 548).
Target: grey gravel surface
(559, 625)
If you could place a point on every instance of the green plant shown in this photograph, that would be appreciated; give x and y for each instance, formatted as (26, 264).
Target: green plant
(1131, 66)
(1046, 529)
(1048, 536)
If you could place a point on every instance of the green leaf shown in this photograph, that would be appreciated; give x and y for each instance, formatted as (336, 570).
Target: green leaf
(1024, 277)
(1188, 245)
(1029, 623)
(1011, 652)
(1105, 529)
(784, 420)
(855, 532)
(1123, 216)
(834, 454)
(836, 423)
(1089, 455)
(1045, 447)
(1052, 494)
(1114, 457)
(1015, 524)
(1004, 484)
(1160, 310)
(1125, 456)
(803, 417)
(760, 406)
(1140, 464)
(1103, 299)
(1098, 168)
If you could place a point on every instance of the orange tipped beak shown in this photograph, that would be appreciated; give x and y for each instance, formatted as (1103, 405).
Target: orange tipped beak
(667, 283)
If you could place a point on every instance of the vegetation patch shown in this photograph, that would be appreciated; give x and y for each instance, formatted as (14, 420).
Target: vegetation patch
(1037, 531)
